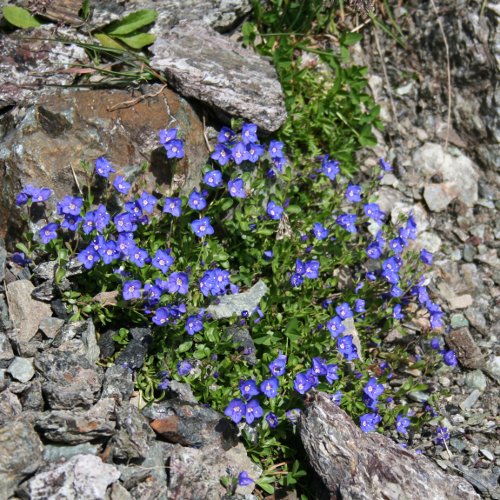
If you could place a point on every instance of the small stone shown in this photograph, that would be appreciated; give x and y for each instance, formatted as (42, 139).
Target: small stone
(477, 319)
(50, 326)
(492, 368)
(106, 344)
(468, 353)
(476, 380)
(487, 454)
(182, 391)
(118, 383)
(471, 400)
(439, 196)
(56, 452)
(243, 340)
(118, 492)
(78, 337)
(3, 258)
(22, 369)
(6, 353)
(460, 302)
(418, 396)
(458, 321)
(32, 398)
(133, 355)
(445, 381)
(458, 444)
(469, 253)
(85, 477)
(10, 407)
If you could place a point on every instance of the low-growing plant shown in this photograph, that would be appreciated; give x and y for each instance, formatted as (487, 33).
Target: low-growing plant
(342, 282)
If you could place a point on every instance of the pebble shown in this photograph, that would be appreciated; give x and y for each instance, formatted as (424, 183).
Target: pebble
(460, 301)
(487, 454)
(458, 321)
(22, 369)
(471, 400)
(469, 253)
(418, 396)
(476, 380)
(458, 444)
(445, 382)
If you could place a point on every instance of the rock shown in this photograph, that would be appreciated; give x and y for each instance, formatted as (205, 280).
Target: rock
(428, 240)
(118, 492)
(439, 196)
(460, 302)
(56, 452)
(106, 344)
(6, 353)
(3, 258)
(458, 321)
(476, 380)
(418, 396)
(32, 398)
(62, 128)
(221, 15)
(196, 473)
(118, 383)
(78, 426)
(134, 354)
(200, 63)
(133, 438)
(468, 353)
(230, 305)
(353, 464)
(182, 391)
(10, 407)
(50, 327)
(458, 173)
(68, 380)
(84, 477)
(471, 400)
(243, 341)
(80, 338)
(28, 64)
(20, 455)
(190, 424)
(22, 369)
(25, 313)
(492, 368)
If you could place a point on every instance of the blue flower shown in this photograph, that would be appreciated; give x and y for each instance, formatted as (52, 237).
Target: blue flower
(435, 343)
(384, 165)
(235, 410)
(319, 366)
(373, 211)
(272, 420)
(196, 200)
(184, 368)
(359, 306)
(344, 311)
(301, 383)
(347, 348)
(88, 257)
(70, 205)
(330, 167)
(243, 478)
(402, 424)
(255, 151)
(335, 326)
(276, 149)
(173, 206)
(109, 253)
(374, 250)
(353, 193)
(161, 316)
(320, 232)
(138, 256)
(274, 211)
(277, 367)
(202, 227)
(346, 221)
(167, 135)
(249, 133)
(194, 324)
(225, 135)
(132, 290)
(124, 223)
(213, 178)
(175, 148)
(147, 202)
(71, 222)
(239, 153)
(236, 188)
(121, 185)
(270, 387)
(369, 422)
(40, 195)
(442, 435)
(21, 199)
(296, 280)
(396, 313)
(152, 293)
(372, 389)
(103, 167)
(253, 411)
(450, 358)
(162, 260)
(178, 282)
(331, 373)
(268, 254)
(48, 232)
(426, 257)
(311, 269)
(221, 154)
(336, 398)
(397, 245)
(248, 388)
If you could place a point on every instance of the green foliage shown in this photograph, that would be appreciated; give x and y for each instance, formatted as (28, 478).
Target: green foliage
(19, 17)
(328, 106)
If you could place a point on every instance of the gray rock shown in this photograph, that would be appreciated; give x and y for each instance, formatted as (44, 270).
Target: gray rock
(80, 338)
(51, 326)
(196, 473)
(458, 321)
(492, 368)
(200, 63)
(133, 355)
(84, 477)
(44, 292)
(55, 452)
(243, 341)
(68, 380)
(230, 305)
(6, 353)
(471, 400)
(20, 455)
(476, 380)
(45, 271)
(190, 424)
(182, 391)
(334, 443)
(118, 383)
(466, 349)
(5, 321)
(118, 492)
(25, 313)
(10, 407)
(133, 438)
(32, 398)
(107, 346)
(439, 196)
(3, 258)
(78, 426)
(22, 369)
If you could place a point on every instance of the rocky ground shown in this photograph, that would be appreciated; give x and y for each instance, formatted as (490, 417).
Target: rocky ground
(68, 425)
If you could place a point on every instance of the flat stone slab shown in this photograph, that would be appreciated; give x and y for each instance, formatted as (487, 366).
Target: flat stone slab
(199, 62)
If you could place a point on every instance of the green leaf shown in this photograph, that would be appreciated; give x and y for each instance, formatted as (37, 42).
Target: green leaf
(138, 41)
(23, 248)
(19, 17)
(108, 42)
(351, 38)
(268, 488)
(185, 346)
(132, 22)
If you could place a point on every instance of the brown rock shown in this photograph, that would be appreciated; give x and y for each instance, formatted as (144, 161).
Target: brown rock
(353, 464)
(466, 349)
(45, 143)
